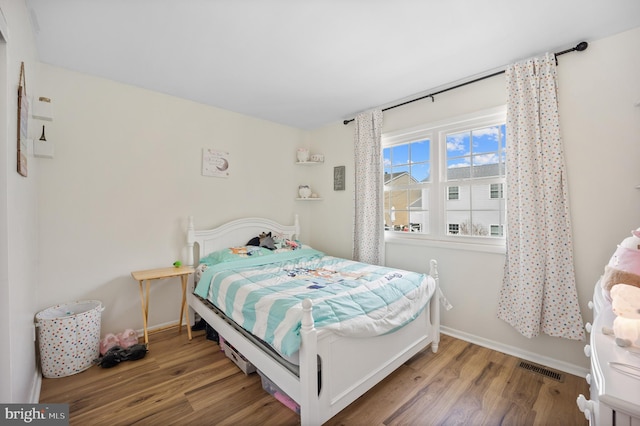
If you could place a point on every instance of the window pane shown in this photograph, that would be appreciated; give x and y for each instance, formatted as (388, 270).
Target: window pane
(400, 154)
(397, 176)
(487, 152)
(486, 140)
(458, 169)
(406, 210)
(462, 200)
(420, 151)
(458, 145)
(419, 212)
(476, 210)
(421, 172)
(486, 165)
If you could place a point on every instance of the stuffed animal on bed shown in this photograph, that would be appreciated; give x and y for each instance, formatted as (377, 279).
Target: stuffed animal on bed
(624, 265)
(293, 245)
(263, 240)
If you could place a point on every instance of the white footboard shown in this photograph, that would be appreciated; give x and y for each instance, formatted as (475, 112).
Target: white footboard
(352, 366)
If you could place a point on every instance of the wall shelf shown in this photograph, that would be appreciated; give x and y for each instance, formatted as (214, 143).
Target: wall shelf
(309, 163)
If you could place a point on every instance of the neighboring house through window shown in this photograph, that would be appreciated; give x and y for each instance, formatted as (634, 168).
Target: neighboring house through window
(446, 180)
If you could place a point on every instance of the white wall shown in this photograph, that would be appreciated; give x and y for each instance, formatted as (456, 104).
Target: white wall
(601, 132)
(18, 217)
(126, 176)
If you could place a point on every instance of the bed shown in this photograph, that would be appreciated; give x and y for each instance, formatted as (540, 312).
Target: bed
(329, 368)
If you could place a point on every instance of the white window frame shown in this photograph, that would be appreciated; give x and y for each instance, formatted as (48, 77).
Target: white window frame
(438, 194)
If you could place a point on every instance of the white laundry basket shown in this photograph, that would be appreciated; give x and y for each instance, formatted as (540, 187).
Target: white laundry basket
(69, 337)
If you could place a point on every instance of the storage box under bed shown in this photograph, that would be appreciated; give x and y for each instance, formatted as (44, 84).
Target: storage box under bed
(236, 357)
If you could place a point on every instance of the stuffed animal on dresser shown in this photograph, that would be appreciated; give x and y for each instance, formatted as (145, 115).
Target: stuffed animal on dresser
(625, 303)
(624, 265)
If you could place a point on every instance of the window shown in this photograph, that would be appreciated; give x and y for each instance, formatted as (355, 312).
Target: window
(496, 230)
(453, 193)
(496, 190)
(406, 171)
(446, 180)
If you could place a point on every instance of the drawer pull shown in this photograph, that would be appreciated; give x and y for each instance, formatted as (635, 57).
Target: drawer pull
(587, 351)
(588, 327)
(585, 405)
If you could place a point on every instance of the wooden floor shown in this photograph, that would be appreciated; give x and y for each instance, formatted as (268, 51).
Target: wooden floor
(193, 383)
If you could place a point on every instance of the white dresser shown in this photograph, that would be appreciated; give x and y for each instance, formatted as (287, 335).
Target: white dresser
(615, 396)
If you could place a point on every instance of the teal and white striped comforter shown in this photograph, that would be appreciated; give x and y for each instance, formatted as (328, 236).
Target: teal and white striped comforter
(264, 295)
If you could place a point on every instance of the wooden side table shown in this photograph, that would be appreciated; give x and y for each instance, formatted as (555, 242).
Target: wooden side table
(160, 273)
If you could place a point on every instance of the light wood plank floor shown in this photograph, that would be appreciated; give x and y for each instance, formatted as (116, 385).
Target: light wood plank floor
(193, 383)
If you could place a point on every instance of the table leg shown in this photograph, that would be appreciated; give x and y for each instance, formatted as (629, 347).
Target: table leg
(145, 310)
(185, 309)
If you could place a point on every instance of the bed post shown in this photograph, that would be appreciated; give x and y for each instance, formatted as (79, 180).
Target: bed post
(190, 240)
(296, 223)
(435, 306)
(309, 404)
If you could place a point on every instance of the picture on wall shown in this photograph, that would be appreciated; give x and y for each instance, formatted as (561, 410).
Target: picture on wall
(338, 178)
(23, 121)
(215, 163)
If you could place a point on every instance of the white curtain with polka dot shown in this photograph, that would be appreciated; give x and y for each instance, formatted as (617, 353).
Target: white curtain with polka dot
(368, 244)
(538, 291)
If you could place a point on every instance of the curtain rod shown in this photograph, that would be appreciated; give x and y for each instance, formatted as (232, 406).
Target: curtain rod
(579, 47)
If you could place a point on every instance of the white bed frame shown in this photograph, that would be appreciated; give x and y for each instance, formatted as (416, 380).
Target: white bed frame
(350, 366)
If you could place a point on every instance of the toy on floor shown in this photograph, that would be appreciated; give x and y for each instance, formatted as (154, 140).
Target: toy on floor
(108, 341)
(127, 338)
(124, 340)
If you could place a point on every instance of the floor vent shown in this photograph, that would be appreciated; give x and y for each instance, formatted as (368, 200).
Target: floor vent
(538, 369)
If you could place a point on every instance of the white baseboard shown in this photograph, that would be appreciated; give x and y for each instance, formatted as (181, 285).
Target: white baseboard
(36, 385)
(160, 327)
(517, 352)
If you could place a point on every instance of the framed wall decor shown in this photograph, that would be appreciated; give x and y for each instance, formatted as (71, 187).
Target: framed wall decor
(215, 163)
(338, 178)
(23, 121)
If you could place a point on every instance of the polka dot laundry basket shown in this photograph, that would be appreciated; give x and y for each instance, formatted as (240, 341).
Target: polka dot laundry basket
(69, 337)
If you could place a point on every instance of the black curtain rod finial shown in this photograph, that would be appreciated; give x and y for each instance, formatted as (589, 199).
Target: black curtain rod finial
(582, 46)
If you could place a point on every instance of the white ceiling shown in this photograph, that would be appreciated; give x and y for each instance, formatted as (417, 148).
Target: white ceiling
(308, 63)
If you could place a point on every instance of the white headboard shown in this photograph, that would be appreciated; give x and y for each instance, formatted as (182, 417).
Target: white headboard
(235, 233)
